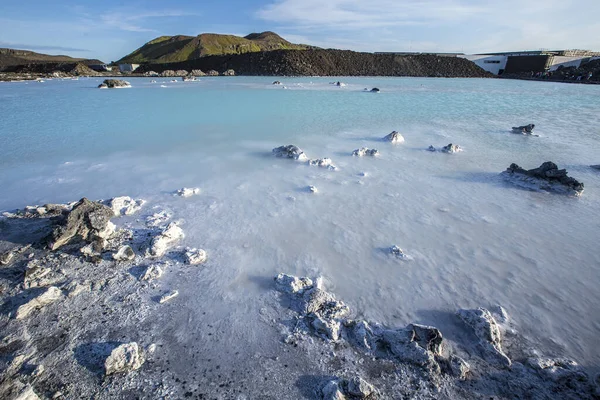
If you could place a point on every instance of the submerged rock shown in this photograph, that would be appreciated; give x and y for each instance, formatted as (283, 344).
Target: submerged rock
(49, 296)
(195, 256)
(87, 220)
(595, 166)
(113, 84)
(394, 137)
(398, 252)
(525, 129)
(161, 243)
(290, 151)
(487, 330)
(450, 148)
(276, 83)
(375, 90)
(546, 177)
(365, 151)
(127, 357)
(323, 163)
(125, 205)
(187, 192)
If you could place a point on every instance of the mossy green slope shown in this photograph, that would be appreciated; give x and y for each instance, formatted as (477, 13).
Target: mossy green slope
(166, 49)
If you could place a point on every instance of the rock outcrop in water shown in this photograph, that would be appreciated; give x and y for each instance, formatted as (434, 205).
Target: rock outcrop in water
(290, 151)
(323, 163)
(114, 84)
(187, 192)
(394, 137)
(547, 177)
(365, 151)
(525, 129)
(450, 148)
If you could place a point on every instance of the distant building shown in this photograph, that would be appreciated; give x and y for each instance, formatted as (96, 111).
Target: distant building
(128, 67)
(408, 53)
(491, 63)
(531, 61)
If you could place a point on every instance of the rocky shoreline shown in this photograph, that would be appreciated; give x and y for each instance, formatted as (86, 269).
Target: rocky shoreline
(79, 270)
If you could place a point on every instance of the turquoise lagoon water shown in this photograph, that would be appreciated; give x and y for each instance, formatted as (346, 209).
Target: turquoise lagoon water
(475, 240)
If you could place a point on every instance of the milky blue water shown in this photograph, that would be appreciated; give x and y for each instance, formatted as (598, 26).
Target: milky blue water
(475, 240)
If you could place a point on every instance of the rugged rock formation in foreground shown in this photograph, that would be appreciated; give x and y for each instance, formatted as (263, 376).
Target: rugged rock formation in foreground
(329, 63)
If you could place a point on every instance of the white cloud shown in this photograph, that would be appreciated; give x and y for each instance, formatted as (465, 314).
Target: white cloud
(136, 22)
(356, 13)
(438, 25)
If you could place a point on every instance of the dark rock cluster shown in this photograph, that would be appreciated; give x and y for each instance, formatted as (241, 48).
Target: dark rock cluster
(113, 83)
(550, 173)
(330, 63)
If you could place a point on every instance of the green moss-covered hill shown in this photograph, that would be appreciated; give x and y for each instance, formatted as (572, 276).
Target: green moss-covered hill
(167, 49)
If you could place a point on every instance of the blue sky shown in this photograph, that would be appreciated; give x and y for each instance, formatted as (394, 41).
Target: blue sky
(110, 29)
